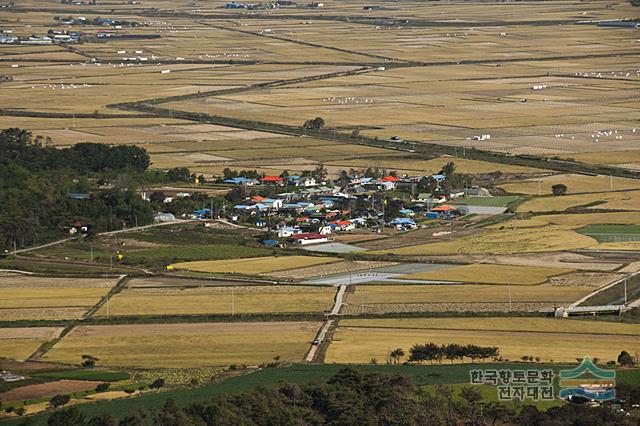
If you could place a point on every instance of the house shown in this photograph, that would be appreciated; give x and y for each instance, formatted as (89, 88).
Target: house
(272, 180)
(241, 181)
(303, 181)
(309, 238)
(200, 214)
(407, 213)
(342, 225)
(403, 223)
(271, 204)
(286, 232)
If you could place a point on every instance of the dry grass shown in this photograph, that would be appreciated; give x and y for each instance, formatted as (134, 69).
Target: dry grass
(490, 274)
(219, 300)
(255, 266)
(357, 341)
(186, 345)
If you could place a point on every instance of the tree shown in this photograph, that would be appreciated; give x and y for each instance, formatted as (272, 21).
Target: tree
(626, 360)
(179, 174)
(104, 419)
(396, 355)
(103, 387)
(320, 173)
(89, 361)
(495, 411)
(157, 384)
(68, 417)
(314, 124)
(59, 400)
(559, 189)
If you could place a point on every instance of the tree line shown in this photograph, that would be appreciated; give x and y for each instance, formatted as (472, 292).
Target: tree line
(431, 352)
(349, 397)
(44, 191)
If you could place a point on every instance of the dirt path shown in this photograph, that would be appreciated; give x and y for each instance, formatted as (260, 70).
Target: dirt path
(120, 231)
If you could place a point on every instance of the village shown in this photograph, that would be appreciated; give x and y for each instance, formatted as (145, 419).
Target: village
(306, 210)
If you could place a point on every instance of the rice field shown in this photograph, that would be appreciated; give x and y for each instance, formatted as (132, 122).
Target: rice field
(220, 300)
(24, 297)
(462, 293)
(627, 200)
(574, 183)
(503, 241)
(19, 343)
(254, 266)
(557, 340)
(186, 345)
(490, 274)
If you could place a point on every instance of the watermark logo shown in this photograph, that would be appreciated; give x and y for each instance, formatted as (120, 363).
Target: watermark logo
(588, 381)
(517, 384)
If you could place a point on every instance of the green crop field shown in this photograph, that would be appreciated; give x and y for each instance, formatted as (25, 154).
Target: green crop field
(612, 233)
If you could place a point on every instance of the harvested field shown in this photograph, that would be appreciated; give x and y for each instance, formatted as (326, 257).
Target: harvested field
(186, 345)
(573, 221)
(45, 390)
(255, 266)
(528, 240)
(489, 274)
(329, 269)
(629, 200)
(575, 184)
(556, 260)
(19, 343)
(463, 165)
(389, 298)
(220, 300)
(357, 341)
(26, 297)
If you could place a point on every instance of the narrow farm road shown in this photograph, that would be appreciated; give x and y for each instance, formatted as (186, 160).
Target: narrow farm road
(322, 333)
(120, 231)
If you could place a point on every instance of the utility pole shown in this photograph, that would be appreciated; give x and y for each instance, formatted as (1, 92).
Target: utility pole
(362, 299)
(611, 181)
(510, 302)
(91, 252)
(233, 303)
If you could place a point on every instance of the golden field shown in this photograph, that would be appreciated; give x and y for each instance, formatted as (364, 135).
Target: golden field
(463, 293)
(186, 345)
(19, 343)
(504, 241)
(490, 274)
(358, 341)
(219, 300)
(574, 183)
(254, 266)
(24, 297)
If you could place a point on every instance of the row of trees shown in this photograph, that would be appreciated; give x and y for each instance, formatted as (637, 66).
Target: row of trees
(432, 352)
